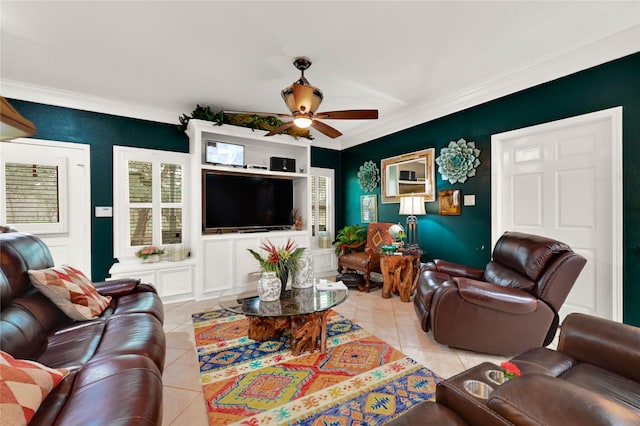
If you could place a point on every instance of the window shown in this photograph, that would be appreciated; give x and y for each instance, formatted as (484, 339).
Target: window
(153, 203)
(322, 202)
(34, 193)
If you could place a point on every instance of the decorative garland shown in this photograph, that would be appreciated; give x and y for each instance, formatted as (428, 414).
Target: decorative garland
(251, 121)
(458, 161)
(368, 176)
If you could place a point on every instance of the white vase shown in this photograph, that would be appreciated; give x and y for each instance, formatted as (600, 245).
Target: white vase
(269, 287)
(304, 274)
(153, 258)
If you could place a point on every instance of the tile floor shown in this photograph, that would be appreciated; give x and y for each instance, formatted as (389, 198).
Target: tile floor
(390, 319)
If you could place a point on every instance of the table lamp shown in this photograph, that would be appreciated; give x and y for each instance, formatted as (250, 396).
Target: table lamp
(412, 205)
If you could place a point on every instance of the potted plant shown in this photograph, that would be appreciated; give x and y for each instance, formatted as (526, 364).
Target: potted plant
(350, 239)
(281, 260)
(150, 254)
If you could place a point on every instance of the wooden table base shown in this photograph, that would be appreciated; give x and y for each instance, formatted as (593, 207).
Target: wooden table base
(397, 272)
(305, 330)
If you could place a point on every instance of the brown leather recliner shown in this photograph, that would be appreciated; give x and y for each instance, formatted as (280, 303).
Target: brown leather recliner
(368, 260)
(510, 306)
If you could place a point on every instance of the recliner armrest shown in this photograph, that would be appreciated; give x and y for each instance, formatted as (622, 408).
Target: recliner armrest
(117, 288)
(536, 399)
(457, 270)
(607, 344)
(504, 299)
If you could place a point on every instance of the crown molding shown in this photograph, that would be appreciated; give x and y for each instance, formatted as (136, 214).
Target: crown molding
(608, 49)
(69, 99)
(614, 47)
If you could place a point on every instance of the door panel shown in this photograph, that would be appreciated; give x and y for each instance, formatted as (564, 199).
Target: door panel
(70, 240)
(558, 180)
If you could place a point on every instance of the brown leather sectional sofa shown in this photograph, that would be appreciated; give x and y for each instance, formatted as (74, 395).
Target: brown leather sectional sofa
(115, 361)
(593, 378)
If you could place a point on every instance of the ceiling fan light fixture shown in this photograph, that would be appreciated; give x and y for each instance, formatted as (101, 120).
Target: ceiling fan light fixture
(302, 122)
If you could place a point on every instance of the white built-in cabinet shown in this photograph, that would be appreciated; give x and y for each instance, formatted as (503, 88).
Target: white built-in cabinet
(222, 261)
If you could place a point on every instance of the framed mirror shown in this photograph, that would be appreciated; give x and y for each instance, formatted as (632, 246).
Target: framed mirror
(407, 174)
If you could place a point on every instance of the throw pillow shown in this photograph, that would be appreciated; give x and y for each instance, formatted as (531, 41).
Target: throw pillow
(71, 291)
(23, 387)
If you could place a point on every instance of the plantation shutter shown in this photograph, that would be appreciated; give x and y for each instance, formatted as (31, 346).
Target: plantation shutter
(32, 193)
(319, 204)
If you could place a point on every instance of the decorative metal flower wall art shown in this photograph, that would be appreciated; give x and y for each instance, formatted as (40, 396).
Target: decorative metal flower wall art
(368, 176)
(458, 161)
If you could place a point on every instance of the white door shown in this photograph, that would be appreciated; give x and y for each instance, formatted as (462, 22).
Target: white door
(65, 168)
(563, 180)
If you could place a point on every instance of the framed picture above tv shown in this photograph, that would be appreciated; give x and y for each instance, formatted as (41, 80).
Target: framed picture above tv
(223, 153)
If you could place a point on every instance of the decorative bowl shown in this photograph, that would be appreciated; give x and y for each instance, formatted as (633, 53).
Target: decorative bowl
(388, 249)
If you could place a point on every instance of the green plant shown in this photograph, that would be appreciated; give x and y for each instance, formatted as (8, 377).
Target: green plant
(350, 238)
(251, 121)
(279, 259)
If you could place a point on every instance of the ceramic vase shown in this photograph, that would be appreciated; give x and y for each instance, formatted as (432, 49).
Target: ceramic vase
(269, 287)
(304, 274)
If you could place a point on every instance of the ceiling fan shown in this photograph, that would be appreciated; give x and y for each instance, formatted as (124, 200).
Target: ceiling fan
(303, 101)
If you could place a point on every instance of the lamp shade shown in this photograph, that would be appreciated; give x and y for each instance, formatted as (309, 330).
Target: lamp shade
(12, 124)
(412, 205)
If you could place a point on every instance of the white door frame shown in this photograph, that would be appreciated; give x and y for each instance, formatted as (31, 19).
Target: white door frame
(614, 115)
(82, 209)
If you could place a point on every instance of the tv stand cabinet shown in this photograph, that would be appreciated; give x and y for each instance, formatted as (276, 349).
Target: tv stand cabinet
(222, 260)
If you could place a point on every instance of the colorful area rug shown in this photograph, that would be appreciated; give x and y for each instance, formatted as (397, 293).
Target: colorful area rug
(361, 380)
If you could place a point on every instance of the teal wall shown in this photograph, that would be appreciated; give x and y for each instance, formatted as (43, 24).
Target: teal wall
(467, 238)
(102, 132)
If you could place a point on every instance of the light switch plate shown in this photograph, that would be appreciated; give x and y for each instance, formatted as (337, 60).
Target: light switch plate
(104, 211)
(469, 200)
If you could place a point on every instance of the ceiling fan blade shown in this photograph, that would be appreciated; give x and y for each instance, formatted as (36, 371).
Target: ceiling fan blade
(327, 130)
(280, 129)
(261, 114)
(349, 114)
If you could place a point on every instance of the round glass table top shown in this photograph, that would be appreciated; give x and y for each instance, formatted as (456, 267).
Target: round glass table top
(297, 301)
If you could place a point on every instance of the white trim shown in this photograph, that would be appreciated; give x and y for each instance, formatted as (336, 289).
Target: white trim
(614, 115)
(122, 250)
(610, 48)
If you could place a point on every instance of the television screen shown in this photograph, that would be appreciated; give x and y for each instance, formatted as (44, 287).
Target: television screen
(229, 154)
(232, 200)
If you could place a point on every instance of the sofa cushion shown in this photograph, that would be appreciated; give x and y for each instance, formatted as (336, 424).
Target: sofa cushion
(614, 387)
(71, 291)
(23, 387)
(119, 390)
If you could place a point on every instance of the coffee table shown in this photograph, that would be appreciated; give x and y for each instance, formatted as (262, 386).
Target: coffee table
(302, 311)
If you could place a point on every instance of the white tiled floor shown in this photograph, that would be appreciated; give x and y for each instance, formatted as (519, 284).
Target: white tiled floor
(390, 319)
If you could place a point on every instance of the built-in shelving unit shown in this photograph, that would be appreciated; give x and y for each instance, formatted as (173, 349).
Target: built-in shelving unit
(222, 261)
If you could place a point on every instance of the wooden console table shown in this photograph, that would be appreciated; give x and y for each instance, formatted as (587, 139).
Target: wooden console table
(398, 273)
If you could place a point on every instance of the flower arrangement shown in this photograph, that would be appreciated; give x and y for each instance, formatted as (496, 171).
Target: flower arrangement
(510, 370)
(147, 251)
(281, 260)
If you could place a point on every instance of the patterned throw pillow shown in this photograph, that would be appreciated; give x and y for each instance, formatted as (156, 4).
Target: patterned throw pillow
(23, 387)
(71, 291)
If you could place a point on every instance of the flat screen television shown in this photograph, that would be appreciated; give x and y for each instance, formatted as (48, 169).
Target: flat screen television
(228, 154)
(238, 201)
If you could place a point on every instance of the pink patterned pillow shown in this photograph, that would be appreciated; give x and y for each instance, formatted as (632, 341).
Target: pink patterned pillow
(23, 387)
(71, 291)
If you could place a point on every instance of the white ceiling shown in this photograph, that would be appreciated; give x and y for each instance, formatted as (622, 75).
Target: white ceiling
(413, 61)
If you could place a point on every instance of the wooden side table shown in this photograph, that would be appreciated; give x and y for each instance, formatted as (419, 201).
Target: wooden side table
(397, 272)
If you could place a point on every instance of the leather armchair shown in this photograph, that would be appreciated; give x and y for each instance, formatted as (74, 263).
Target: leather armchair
(369, 260)
(510, 306)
